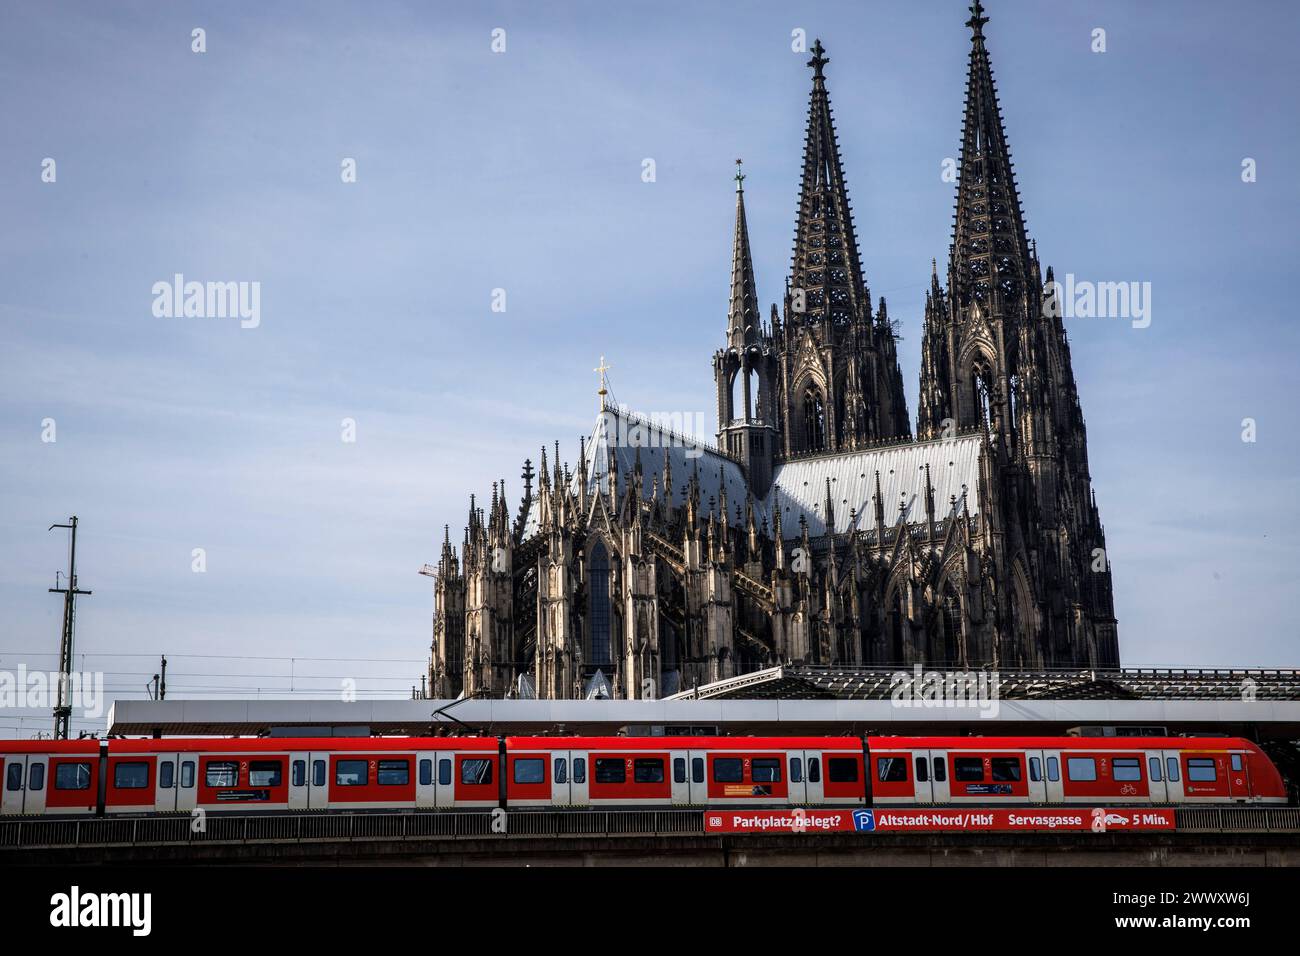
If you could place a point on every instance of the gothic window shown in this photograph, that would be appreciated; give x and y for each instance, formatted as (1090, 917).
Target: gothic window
(983, 397)
(949, 627)
(814, 420)
(895, 629)
(598, 651)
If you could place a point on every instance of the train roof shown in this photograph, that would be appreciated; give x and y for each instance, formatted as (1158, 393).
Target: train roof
(379, 744)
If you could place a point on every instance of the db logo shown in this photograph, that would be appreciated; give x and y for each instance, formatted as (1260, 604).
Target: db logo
(715, 821)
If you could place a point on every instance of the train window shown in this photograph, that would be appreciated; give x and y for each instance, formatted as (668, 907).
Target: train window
(1053, 769)
(697, 770)
(1126, 768)
(265, 773)
(679, 770)
(222, 773)
(1006, 769)
(1035, 769)
(131, 775)
(888, 769)
(36, 777)
(1171, 769)
(318, 773)
(166, 774)
(766, 770)
(1153, 765)
(426, 772)
(14, 777)
(72, 776)
(1081, 768)
(579, 769)
(187, 774)
(394, 773)
(845, 770)
(796, 770)
(1201, 770)
(610, 770)
(940, 769)
(728, 770)
(923, 769)
(351, 773)
(476, 771)
(814, 770)
(444, 772)
(648, 770)
(561, 770)
(967, 769)
(1236, 762)
(298, 773)
(529, 769)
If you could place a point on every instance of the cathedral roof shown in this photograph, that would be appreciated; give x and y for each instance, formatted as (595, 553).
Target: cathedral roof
(799, 486)
(627, 434)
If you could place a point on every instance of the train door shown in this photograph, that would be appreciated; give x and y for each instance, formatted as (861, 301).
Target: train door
(426, 789)
(923, 792)
(681, 763)
(814, 791)
(318, 793)
(699, 765)
(1173, 775)
(1052, 772)
(1155, 771)
(164, 785)
(796, 773)
(1238, 776)
(299, 780)
(15, 779)
(562, 779)
(444, 782)
(38, 767)
(579, 778)
(187, 782)
(1036, 766)
(940, 788)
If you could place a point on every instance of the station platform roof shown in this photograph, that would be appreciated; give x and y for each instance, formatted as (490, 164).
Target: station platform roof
(786, 700)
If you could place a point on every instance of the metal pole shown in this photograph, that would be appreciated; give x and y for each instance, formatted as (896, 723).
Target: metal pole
(63, 705)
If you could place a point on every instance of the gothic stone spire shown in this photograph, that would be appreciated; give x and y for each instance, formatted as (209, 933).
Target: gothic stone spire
(743, 315)
(826, 266)
(990, 250)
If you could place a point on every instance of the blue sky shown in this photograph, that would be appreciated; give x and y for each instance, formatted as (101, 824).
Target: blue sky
(522, 171)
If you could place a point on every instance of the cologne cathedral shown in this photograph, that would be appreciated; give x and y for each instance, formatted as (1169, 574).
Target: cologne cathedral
(819, 529)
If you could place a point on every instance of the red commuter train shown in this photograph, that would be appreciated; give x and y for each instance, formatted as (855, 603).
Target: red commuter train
(137, 776)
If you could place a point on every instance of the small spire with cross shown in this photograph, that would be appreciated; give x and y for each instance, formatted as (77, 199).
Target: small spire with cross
(601, 369)
(740, 178)
(819, 59)
(977, 20)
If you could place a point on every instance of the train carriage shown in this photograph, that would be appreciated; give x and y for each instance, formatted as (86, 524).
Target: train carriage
(449, 773)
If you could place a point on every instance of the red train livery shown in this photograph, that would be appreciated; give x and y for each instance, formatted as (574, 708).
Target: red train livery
(449, 773)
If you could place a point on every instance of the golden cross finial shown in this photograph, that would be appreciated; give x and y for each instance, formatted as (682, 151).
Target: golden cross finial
(601, 369)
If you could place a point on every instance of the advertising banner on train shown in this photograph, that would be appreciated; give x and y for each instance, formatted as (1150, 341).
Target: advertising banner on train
(1092, 819)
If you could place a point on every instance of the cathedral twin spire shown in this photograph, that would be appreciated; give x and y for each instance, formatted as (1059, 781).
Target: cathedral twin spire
(825, 269)
(990, 252)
